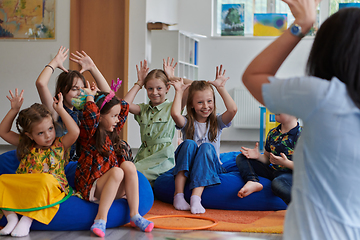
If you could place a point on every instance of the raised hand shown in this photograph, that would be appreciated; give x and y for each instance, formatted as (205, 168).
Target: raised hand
(60, 58)
(58, 102)
(142, 72)
(16, 100)
(251, 153)
(169, 68)
(91, 89)
(83, 60)
(278, 160)
(179, 85)
(304, 11)
(220, 79)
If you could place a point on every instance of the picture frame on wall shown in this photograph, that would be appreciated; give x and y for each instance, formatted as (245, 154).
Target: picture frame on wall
(269, 24)
(27, 19)
(232, 19)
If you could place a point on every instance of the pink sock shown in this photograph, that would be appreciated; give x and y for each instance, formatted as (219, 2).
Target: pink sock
(180, 202)
(195, 205)
(12, 220)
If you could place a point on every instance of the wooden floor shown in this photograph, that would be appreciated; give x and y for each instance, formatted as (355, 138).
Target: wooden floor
(125, 233)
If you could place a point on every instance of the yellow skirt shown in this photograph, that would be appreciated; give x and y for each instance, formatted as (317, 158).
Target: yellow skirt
(22, 191)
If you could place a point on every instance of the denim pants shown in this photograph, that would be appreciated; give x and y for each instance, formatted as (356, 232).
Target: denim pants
(281, 181)
(201, 164)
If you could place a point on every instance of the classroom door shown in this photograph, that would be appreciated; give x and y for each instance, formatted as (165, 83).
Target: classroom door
(101, 29)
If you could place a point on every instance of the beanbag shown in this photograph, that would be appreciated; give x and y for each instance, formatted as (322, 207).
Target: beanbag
(224, 195)
(76, 214)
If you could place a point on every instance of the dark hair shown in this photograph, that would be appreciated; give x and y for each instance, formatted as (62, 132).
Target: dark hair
(101, 133)
(212, 120)
(336, 51)
(24, 124)
(65, 81)
(156, 73)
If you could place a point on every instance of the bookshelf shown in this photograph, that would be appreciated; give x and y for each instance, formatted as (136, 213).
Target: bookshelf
(178, 45)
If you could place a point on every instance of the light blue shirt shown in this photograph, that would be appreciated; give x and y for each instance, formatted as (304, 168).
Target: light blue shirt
(200, 137)
(325, 200)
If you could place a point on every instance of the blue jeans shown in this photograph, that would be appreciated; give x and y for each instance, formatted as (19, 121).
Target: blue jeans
(281, 181)
(200, 164)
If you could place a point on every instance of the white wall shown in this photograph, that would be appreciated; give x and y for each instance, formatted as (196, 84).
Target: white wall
(21, 61)
(234, 53)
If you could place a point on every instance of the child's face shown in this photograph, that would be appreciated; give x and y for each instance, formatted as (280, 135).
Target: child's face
(43, 132)
(156, 91)
(74, 92)
(203, 104)
(284, 118)
(110, 120)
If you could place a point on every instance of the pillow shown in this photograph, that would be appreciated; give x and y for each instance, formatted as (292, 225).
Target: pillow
(76, 214)
(224, 195)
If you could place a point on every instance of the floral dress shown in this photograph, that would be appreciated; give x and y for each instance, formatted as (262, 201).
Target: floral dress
(40, 181)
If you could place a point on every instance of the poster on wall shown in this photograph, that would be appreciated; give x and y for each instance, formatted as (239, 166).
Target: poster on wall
(232, 19)
(27, 19)
(269, 24)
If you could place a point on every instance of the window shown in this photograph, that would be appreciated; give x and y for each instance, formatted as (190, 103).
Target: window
(249, 8)
(334, 4)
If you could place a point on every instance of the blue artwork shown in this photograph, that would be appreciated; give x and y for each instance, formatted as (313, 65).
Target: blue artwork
(269, 24)
(345, 5)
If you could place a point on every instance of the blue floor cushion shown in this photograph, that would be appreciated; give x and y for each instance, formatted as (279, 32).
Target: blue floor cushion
(76, 214)
(224, 195)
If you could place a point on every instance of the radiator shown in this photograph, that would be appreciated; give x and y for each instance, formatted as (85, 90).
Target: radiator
(248, 114)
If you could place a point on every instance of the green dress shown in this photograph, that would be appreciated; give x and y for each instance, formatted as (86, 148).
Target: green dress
(157, 129)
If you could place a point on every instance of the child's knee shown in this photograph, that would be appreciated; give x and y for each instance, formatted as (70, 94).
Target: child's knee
(128, 167)
(189, 143)
(116, 173)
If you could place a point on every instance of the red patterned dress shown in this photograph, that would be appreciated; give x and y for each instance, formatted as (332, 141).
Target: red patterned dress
(91, 164)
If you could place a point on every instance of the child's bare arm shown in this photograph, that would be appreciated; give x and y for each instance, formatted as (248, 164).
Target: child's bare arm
(44, 78)
(87, 64)
(180, 87)
(230, 104)
(73, 129)
(169, 70)
(130, 96)
(5, 126)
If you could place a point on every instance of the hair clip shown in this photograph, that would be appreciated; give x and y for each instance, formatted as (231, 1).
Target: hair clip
(114, 87)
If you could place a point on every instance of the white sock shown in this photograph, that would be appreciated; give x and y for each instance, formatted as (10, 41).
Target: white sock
(22, 229)
(180, 202)
(195, 205)
(12, 220)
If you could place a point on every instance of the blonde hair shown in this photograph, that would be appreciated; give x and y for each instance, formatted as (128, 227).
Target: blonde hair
(212, 120)
(158, 74)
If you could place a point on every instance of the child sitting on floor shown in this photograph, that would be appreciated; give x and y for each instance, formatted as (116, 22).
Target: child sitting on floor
(276, 162)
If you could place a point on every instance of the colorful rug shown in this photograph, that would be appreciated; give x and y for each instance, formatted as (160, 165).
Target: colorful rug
(230, 221)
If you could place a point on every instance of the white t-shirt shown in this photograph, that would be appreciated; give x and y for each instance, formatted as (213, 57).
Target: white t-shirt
(201, 136)
(325, 201)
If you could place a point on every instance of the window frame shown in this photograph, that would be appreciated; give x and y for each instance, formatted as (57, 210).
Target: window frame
(324, 12)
